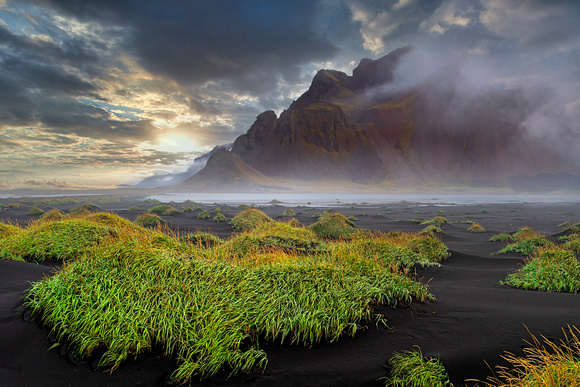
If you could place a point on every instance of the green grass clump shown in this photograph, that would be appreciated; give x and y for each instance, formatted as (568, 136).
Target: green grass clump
(289, 213)
(503, 237)
(149, 220)
(396, 252)
(164, 209)
(219, 216)
(476, 227)
(569, 228)
(85, 209)
(34, 211)
(203, 215)
(7, 230)
(432, 229)
(52, 215)
(134, 208)
(525, 241)
(411, 369)
(248, 219)
(436, 220)
(545, 363)
(573, 244)
(207, 309)
(59, 240)
(551, 269)
(334, 225)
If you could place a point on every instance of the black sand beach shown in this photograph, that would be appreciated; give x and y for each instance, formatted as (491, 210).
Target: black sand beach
(473, 321)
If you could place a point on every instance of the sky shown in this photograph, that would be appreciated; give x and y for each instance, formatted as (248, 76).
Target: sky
(103, 93)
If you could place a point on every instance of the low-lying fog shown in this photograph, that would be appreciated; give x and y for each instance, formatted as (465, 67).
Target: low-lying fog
(332, 200)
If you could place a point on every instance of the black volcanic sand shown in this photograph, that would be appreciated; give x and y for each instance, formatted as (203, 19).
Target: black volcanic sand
(473, 321)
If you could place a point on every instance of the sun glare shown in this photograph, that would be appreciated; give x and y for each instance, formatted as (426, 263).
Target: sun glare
(175, 142)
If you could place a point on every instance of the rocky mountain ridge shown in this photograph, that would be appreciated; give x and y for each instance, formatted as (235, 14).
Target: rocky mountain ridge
(360, 131)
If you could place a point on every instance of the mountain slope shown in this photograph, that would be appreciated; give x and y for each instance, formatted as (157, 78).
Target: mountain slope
(365, 130)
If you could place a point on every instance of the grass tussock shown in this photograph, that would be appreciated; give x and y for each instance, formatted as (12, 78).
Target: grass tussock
(552, 269)
(52, 215)
(207, 302)
(85, 209)
(476, 227)
(148, 219)
(436, 220)
(544, 363)
(164, 209)
(8, 230)
(35, 211)
(411, 369)
(219, 216)
(334, 225)
(248, 219)
(525, 241)
(59, 240)
(289, 213)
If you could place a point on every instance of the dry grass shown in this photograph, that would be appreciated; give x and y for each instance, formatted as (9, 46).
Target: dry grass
(543, 364)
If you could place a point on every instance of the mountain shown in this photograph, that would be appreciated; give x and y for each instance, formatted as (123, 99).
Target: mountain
(171, 179)
(227, 169)
(366, 130)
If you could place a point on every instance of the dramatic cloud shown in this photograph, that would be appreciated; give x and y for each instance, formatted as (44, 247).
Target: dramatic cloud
(116, 89)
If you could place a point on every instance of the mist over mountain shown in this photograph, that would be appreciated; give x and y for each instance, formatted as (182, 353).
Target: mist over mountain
(170, 179)
(380, 128)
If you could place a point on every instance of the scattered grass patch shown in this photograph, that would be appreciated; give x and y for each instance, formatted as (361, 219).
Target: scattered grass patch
(164, 209)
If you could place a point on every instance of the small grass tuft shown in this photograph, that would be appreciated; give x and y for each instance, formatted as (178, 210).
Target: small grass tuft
(476, 227)
(289, 213)
(437, 220)
(411, 369)
(219, 216)
(35, 211)
(203, 215)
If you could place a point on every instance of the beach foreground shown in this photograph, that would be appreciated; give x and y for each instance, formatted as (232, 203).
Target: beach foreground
(472, 322)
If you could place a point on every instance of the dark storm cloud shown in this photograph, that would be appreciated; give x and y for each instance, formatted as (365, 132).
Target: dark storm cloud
(52, 79)
(200, 41)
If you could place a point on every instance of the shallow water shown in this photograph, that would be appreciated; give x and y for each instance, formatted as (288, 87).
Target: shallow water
(331, 200)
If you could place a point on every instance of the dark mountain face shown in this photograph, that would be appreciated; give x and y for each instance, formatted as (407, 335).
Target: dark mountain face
(358, 129)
